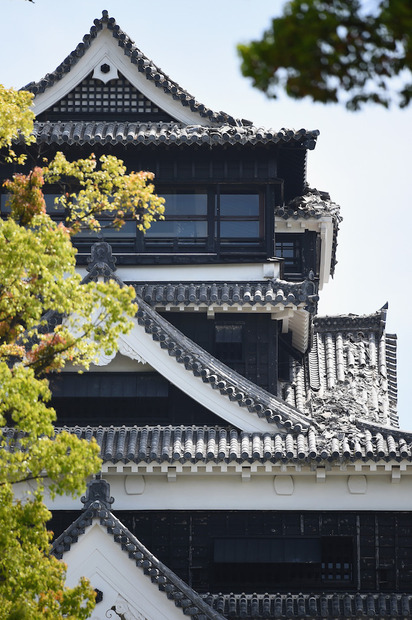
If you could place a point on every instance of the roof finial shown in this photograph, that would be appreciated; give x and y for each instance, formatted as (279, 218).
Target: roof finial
(98, 490)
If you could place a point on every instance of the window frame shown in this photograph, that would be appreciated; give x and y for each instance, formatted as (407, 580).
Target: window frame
(291, 265)
(212, 243)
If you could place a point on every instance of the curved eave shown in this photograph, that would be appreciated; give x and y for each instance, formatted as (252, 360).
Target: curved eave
(197, 373)
(204, 378)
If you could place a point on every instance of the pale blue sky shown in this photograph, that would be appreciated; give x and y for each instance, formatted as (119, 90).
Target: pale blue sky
(362, 160)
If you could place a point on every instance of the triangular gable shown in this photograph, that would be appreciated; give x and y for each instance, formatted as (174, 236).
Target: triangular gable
(132, 583)
(108, 55)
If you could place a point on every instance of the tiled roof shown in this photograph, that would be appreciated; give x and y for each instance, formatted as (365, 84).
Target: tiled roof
(194, 444)
(107, 132)
(314, 606)
(216, 374)
(272, 292)
(191, 604)
(312, 204)
(143, 64)
(350, 373)
(344, 378)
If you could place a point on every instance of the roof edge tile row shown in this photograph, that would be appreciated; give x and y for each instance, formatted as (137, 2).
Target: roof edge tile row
(205, 444)
(96, 132)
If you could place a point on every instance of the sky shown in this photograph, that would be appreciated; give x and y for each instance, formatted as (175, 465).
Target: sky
(362, 159)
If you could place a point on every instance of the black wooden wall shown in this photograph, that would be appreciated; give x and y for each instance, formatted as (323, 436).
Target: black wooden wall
(255, 359)
(364, 551)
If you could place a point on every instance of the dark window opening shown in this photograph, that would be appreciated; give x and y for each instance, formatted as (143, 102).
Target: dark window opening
(56, 211)
(123, 398)
(282, 563)
(109, 398)
(286, 351)
(239, 218)
(283, 361)
(185, 224)
(267, 550)
(5, 209)
(185, 221)
(229, 342)
(289, 248)
(123, 239)
(53, 207)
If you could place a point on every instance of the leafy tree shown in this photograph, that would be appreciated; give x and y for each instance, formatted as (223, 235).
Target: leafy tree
(37, 263)
(336, 51)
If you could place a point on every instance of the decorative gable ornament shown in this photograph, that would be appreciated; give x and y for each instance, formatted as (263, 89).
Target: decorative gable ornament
(106, 71)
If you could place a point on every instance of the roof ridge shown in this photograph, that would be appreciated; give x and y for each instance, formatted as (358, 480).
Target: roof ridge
(374, 320)
(313, 605)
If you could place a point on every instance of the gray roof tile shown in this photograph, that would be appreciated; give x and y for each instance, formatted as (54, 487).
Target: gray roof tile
(272, 292)
(146, 133)
(205, 444)
(216, 374)
(343, 605)
(350, 373)
(313, 204)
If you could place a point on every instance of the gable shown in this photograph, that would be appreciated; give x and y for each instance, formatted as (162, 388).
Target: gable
(108, 54)
(132, 583)
(125, 588)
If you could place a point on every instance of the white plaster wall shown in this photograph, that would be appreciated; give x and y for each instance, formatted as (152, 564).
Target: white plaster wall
(220, 491)
(192, 273)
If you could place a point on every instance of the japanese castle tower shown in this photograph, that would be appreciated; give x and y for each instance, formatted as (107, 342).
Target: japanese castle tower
(251, 447)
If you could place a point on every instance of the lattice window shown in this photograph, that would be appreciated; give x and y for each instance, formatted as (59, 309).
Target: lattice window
(118, 96)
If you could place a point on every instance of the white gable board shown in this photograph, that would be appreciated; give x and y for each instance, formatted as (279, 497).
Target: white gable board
(126, 589)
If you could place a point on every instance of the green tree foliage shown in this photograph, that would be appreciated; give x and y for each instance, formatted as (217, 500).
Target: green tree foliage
(38, 277)
(348, 51)
(16, 119)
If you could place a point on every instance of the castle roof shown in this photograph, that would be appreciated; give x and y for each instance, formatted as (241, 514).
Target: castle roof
(106, 91)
